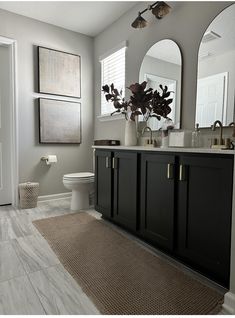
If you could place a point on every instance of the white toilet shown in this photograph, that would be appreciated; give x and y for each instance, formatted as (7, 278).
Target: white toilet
(81, 184)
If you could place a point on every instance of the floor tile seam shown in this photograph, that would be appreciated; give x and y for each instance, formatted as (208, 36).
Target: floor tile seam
(52, 266)
(14, 248)
(35, 291)
(19, 260)
(34, 235)
(28, 277)
(15, 277)
(41, 270)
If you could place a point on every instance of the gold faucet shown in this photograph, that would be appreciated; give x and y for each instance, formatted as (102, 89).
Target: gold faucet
(232, 125)
(151, 133)
(221, 130)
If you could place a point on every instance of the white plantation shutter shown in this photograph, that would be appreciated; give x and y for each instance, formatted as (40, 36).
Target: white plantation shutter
(113, 71)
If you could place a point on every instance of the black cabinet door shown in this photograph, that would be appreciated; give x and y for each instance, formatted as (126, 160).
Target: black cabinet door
(204, 213)
(125, 189)
(103, 182)
(157, 199)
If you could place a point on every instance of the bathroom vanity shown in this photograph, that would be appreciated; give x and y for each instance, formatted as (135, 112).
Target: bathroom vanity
(179, 200)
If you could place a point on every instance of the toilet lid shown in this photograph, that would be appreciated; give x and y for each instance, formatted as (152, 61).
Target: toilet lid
(80, 175)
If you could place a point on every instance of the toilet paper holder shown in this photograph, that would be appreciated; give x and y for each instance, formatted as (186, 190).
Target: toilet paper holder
(50, 159)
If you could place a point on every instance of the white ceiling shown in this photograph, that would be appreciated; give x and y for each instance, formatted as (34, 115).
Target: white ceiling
(166, 50)
(224, 25)
(87, 17)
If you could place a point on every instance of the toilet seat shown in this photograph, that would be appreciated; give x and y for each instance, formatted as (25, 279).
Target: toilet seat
(82, 177)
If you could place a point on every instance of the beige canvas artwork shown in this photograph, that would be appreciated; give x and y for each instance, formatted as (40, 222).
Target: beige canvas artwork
(59, 73)
(60, 121)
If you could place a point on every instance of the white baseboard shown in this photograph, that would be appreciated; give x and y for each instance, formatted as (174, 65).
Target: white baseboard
(228, 306)
(58, 196)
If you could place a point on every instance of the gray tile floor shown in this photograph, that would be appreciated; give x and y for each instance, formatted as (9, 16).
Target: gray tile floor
(32, 280)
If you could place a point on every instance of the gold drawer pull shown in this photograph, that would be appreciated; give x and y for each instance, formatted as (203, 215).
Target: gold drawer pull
(106, 162)
(182, 173)
(115, 163)
(170, 173)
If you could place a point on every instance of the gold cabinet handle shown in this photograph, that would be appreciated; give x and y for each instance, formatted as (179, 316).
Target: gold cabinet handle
(115, 163)
(106, 162)
(170, 174)
(182, 173)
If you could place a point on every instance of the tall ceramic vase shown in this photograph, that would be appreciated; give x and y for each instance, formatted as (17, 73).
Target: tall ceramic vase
(130, 133)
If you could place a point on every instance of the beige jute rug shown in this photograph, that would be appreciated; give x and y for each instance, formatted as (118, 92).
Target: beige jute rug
(119, 275)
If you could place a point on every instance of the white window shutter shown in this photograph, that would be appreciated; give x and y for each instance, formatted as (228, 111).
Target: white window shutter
(112, 71)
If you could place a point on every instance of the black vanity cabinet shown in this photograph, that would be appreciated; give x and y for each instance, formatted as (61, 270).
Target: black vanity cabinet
(125, 189)
(103, 182)
(179, 202)
(204, 213)
(158, 199)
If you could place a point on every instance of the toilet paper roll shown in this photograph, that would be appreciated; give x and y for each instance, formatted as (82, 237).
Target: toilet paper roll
(51, 159)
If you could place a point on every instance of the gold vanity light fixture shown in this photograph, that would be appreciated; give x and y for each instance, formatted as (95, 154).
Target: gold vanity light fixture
(159, 9)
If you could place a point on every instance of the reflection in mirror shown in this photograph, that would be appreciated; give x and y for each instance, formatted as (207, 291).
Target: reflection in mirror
(216, 71)
(162, 65)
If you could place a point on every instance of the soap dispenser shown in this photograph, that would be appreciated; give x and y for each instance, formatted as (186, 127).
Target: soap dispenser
(196, 137)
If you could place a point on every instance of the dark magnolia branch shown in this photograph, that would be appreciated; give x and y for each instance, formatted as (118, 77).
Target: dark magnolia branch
(146, 102)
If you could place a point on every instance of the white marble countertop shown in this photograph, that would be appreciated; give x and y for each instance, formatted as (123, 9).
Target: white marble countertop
(170, 149)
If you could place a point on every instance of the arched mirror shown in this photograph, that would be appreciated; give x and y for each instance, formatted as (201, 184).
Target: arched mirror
(216, 71)
(162, 65)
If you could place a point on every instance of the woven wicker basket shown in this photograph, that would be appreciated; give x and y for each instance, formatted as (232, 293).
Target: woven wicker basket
(28, 194)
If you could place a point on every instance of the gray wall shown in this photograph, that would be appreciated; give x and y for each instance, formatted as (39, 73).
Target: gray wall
(185, 25)
(29, 34)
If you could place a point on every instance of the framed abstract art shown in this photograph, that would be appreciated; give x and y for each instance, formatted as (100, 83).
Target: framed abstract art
(59, 121)
(59, 73)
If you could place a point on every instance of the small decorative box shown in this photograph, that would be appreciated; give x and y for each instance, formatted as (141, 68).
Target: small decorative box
(180, 139)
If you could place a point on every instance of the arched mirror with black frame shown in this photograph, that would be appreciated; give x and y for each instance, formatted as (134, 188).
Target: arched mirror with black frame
(216, 71)
(162, 65)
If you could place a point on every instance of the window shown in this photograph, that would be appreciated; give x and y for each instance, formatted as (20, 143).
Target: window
(113, 71)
